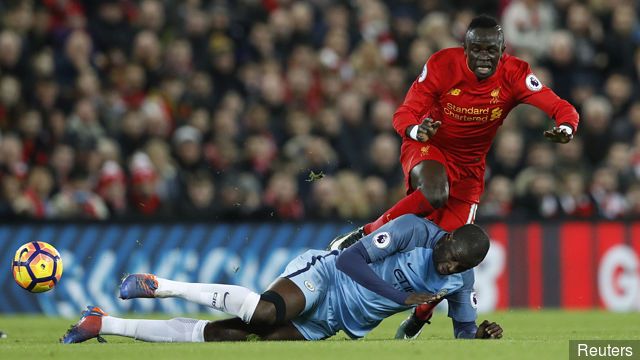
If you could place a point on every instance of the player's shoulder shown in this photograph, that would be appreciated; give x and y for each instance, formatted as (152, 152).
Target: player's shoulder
(468, 278)
(447, 56)
(413, 219)
(513, 65)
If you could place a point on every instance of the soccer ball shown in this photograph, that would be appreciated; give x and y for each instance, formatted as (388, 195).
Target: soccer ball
(37, 266)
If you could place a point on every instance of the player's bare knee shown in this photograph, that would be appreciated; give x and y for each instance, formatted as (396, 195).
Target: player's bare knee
(265, 314)
(436, 195)
(272, 309)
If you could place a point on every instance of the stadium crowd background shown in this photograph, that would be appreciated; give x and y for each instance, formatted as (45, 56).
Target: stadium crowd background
(223, 109)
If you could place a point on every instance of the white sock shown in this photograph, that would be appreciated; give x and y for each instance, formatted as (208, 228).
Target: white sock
(174, 330)
(232, 299)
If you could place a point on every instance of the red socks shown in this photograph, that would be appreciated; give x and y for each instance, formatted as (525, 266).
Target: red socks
(425, 311)
(414, 203)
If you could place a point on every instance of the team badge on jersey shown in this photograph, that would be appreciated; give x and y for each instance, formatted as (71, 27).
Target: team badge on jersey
(382, 240)
(495, 94)
(473, 299)
(533, 83)
(423, 75)
(309, 285)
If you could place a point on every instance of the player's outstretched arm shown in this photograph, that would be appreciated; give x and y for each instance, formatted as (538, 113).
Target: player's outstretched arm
(422, 298)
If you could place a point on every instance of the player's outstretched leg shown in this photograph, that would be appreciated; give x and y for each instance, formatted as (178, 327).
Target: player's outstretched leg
(88, 327)
(138, 286)
(232, 299)
(95, 322)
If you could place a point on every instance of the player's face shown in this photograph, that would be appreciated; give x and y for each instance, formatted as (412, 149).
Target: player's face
(483, 48)
(445, 257)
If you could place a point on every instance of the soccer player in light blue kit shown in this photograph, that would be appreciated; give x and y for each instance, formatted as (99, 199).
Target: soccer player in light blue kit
(407, 262)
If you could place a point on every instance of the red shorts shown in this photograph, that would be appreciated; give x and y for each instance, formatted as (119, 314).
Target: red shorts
(466, 184)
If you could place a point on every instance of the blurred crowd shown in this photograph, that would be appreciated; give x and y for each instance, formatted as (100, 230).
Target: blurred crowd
(255, 109)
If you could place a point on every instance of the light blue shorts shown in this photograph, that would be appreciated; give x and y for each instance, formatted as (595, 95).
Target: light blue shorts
(313, 273)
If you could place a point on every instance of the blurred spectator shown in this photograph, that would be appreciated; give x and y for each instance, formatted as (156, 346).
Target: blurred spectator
(528, 25)
(574, 198)
(323, 202)
(618, 89)
(76, 200)
(507, 154)
(610, 202)
(561, 62)
(10, 194)
(144, 198)
(383, 157)
(570, 158)
(497, 202)
(619, 160)
(588, 35)
(376, 191)
(353, 202)
(625, 127)
(622, 40)
(355, 137)
(160, 155)
(11, 49)
(34, 202)
(281, 194)
(435, 28)
(596, 130)
(199, 199)
(62, 160)
(539, 159)
(241, 198)
(539, 200)
(12, 158)
(633, 199)
(10, 101)
(112, 188)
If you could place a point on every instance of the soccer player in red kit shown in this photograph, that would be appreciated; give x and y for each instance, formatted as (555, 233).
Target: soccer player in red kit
(448, 121)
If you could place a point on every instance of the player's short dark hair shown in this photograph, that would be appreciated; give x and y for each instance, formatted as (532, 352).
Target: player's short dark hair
(472, 244)
(483, 21)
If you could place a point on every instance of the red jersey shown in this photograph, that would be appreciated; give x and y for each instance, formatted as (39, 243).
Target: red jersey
(471, 110)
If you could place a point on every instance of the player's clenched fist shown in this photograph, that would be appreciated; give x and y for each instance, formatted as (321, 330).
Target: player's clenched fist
(425, 131)
(489, 330)
(422, 298)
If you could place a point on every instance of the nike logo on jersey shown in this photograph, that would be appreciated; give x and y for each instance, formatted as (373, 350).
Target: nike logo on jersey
(410, 268)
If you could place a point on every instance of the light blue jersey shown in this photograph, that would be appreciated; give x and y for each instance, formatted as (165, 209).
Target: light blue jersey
(400, 254)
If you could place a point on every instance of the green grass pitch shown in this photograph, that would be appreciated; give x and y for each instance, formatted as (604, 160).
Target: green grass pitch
(528, 335)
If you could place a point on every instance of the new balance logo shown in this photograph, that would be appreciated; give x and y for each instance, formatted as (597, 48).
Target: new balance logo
(496, 113)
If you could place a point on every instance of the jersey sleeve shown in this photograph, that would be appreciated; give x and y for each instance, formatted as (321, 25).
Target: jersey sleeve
(528, 89)
(421, 97)
(398, 235)
(463, 303)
